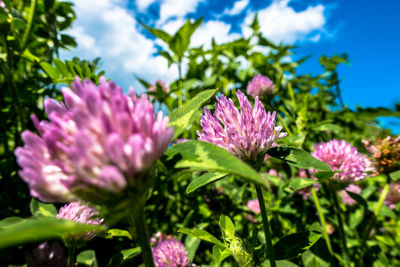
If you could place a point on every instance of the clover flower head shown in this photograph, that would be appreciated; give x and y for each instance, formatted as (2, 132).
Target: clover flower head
(170, 252)
(247, 134)
(81, 213)
(98, 139)
(340, 155)
(393, 196)
(254, 206)
(260, 86)
(164, 86)
(346, 199)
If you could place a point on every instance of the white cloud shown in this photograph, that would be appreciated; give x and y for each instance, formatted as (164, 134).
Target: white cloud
(144, 4)
(108, 30)
(281, 23)
(218, 30)
(176, 8)
(237, 8)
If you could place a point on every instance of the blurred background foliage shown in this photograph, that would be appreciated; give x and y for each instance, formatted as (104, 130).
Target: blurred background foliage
(309, 107)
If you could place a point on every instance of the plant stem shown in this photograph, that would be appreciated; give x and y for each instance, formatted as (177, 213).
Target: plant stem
(341, 228)
(367, 232)
(269, 248)
(322, 220)
(143, 237)
(71, 256)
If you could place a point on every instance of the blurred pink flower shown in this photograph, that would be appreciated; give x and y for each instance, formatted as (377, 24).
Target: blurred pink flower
(164, 86)
(260, 86)
(340, 155)
(97, 139)
(346, 199)
(393, 196)
(306, 191)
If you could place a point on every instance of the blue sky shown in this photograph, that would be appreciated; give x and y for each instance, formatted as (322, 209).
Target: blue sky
(368, 31)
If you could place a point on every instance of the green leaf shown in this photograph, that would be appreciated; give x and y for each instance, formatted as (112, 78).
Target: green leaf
(123, 256)
(328, 127)
(220, 253)
(181, 40)
(158, 33)
(87, 258)
(191, 246)
(203, 180)
(324, 175)
(298, 158)
(227, 227)
(110, 234)
(202, 234)
(299, 183)
(38, 229)
(282, 263)
(358, 198)
(395, 175)
(39, 209)
(293, 245)
(68, 40)
(204, 156)
(62, 68)
(182, 117)
(49, 70)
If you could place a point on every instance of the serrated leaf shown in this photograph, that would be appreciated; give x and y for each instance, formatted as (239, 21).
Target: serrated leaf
(204, 156)
(298, 158)
(203, 180)
(182, 117)
(38, 229)
(299, 183)
(39, 209)
(202, 234)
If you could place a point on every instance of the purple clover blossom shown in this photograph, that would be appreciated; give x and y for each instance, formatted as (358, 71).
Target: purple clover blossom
(340, 155)
(346, 199)
(164, 86)
(170, 252)
(81, 213)
(393, 196)
(260, 86)
(97, 140)
(247, 134)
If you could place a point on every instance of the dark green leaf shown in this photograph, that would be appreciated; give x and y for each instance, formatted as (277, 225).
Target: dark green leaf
(282, 263)
(322, 175)
(357, 198)
(298, 158)
(204, 156)
(123, 256)
(50, 70)
(293, 245)
(182, 117)
(203, 180)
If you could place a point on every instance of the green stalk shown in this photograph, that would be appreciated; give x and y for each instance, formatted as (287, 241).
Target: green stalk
(143, 237)
(367, 232)
(28, 28)
(322, 220)
(71, 256)
(269, 248)
(341, 228)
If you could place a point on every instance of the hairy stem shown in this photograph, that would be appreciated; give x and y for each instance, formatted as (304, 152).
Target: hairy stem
(322, 219)
(143, 237)
(269, 248)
